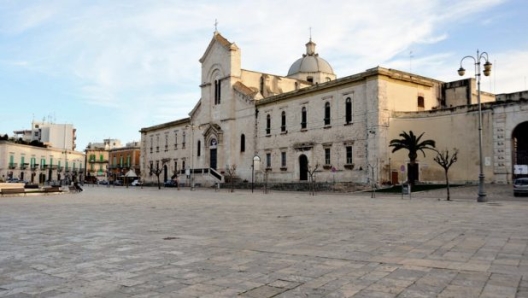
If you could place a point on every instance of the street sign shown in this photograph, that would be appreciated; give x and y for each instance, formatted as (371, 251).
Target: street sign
(402, 168)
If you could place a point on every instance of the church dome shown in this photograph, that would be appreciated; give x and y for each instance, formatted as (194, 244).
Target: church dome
(310, 63)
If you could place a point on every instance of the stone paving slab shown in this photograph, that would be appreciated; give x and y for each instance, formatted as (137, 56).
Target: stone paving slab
(145, 242)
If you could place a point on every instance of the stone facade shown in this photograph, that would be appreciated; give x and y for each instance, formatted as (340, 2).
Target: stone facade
(38, 164)
(312, 119)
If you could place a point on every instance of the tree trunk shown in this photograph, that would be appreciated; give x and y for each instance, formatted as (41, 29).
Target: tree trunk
(447, 184)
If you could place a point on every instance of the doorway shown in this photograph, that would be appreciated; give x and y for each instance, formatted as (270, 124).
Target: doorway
(303, 168)
(213, 154)
(212, 159)
(520, 146)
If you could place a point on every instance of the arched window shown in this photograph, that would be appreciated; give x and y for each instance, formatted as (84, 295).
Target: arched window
(348, 110)
(242, 143)
(283, 121)
(303, 118)
(218, 92)
(268, 124)
(199, 148)
(327, 114)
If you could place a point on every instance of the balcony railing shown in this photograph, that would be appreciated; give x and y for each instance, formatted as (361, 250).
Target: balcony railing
(97, 161)
(12, 166)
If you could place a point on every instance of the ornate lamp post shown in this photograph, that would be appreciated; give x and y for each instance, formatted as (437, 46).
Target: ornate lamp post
(487, 71)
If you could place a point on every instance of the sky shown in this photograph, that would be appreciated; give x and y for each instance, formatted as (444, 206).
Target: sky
(113, 67)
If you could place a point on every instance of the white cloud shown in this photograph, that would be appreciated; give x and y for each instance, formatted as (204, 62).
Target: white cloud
(144, 54)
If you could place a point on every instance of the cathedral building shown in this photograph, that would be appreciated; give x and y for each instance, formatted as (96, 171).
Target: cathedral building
(312, 123)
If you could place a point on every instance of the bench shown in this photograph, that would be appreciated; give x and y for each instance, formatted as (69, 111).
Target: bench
(11, 191)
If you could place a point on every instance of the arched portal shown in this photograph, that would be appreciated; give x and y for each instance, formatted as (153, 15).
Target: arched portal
(520, 145)
(303, 168)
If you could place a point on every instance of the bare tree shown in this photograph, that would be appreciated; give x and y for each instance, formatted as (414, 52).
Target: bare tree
(311, 172)
(445, 160)
(158, 170)
(231, 173)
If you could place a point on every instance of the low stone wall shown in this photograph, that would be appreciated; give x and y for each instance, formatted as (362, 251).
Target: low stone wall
(11, 185)
(301, 186)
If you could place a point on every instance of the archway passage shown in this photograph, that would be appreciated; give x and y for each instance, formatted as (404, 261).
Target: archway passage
(520, 144)
(303, 168)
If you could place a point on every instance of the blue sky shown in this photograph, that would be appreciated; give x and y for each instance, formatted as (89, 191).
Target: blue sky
(113, 67)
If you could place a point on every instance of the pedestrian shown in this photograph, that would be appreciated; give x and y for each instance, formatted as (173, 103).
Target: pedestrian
(177, 181)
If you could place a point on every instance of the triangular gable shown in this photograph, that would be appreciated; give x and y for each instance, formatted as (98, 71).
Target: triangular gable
(213, 128)
(218, 38)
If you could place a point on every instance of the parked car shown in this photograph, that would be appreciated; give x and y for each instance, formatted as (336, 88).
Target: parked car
(102, 182)
(118, 183)
(520, 186)
(170, 183)
(136, 183)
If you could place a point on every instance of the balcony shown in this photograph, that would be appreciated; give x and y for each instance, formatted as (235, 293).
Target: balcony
(12, 166)
(97, 161)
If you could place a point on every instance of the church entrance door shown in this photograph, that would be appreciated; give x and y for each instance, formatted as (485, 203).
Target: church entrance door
(212, 160)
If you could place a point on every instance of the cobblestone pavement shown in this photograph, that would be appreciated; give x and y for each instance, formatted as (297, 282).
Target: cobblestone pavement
(133, 242)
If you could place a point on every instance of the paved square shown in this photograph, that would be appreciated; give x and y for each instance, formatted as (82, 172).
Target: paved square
(133, 242)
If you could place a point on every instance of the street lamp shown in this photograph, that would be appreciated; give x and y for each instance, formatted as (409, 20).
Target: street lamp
(487, 70)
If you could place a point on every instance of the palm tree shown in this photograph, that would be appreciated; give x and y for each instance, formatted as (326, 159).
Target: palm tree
(410, 142)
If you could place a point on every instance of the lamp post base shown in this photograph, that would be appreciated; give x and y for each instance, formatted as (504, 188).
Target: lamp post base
(481, 193)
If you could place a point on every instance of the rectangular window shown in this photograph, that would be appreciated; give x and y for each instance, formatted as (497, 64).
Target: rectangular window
(421, 103)
(268, 160)
(283, 159)
(283, 121)
(175, 141)
(327, 156)
(183, 140)
(349, 154)
(12, 163)
(327, 114)
(348, 110)
(303, 118)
